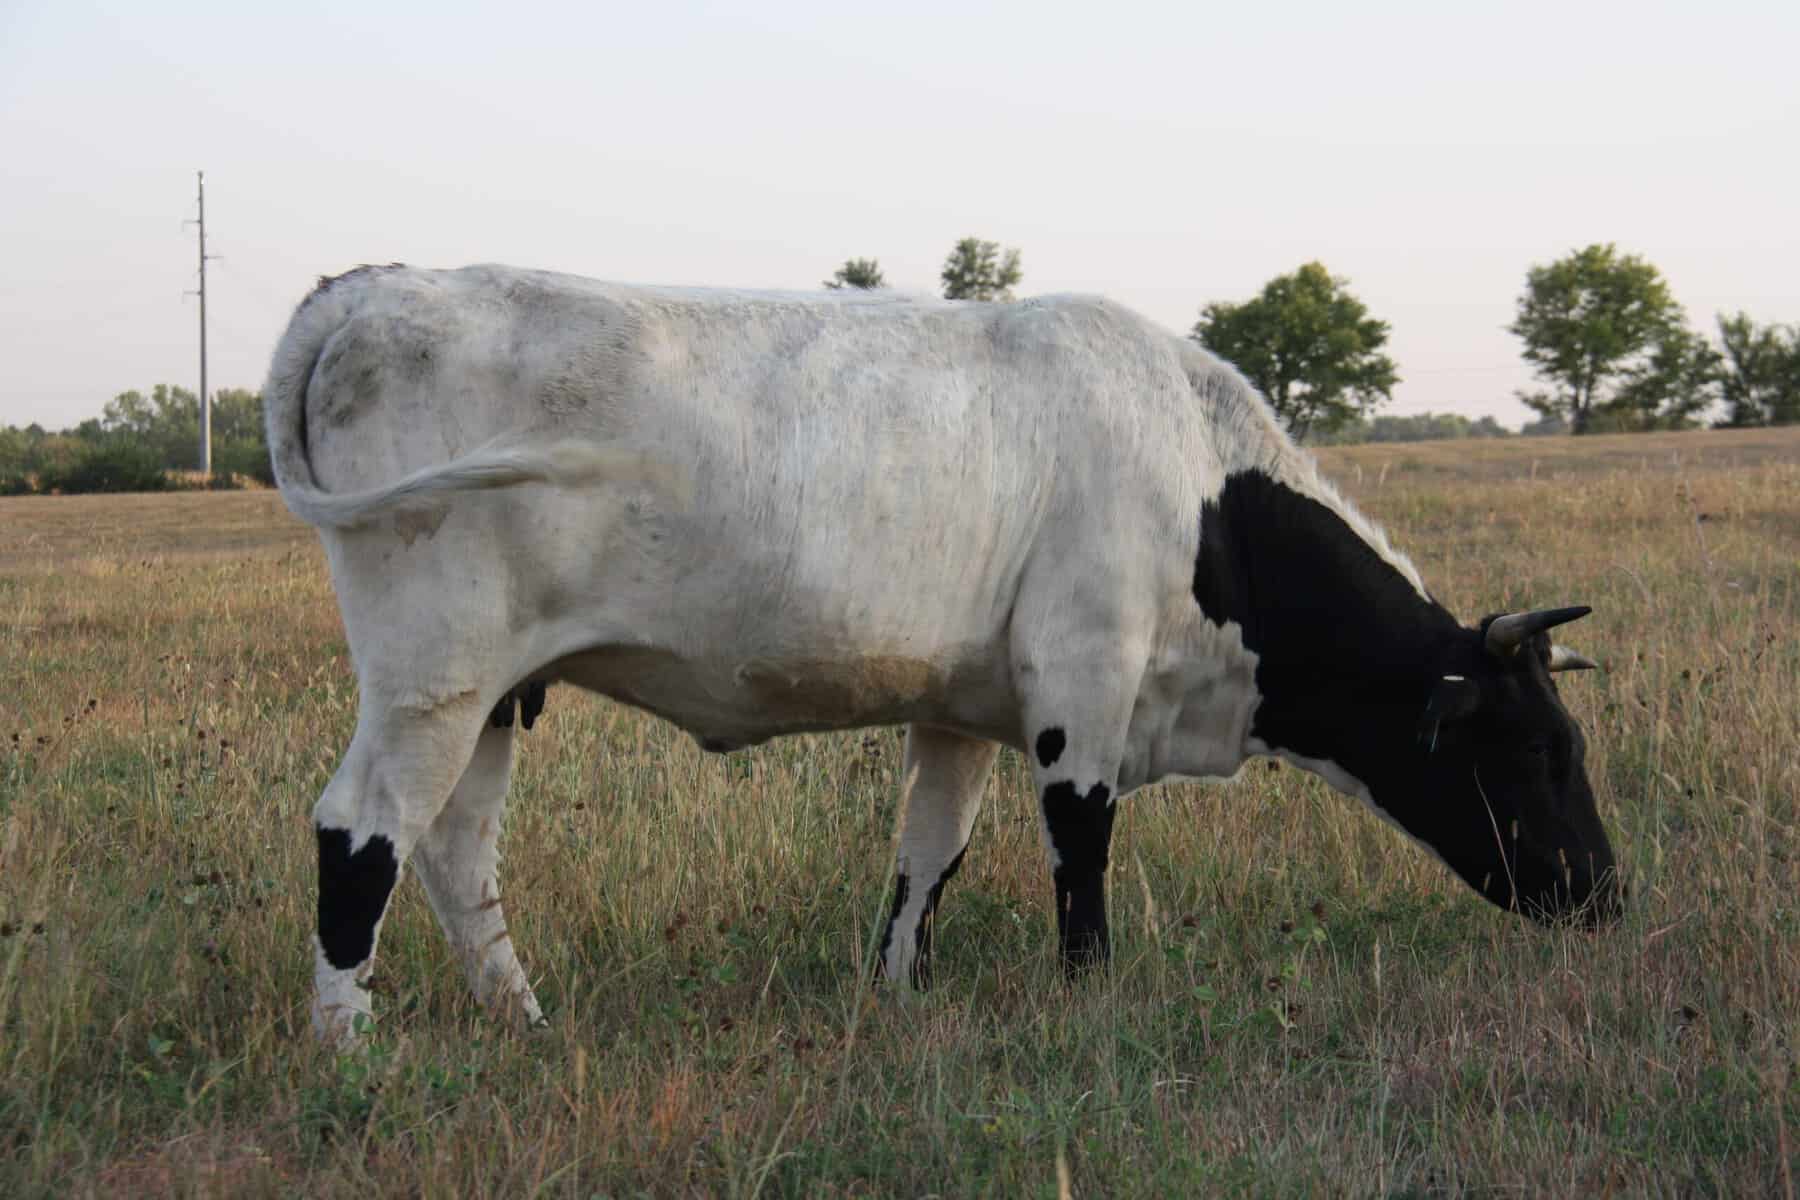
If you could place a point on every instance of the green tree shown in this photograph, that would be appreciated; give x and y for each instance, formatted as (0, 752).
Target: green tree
(237, 415)
(15, 461)
(1784, 406)
(1759, 371)
(1603, 330)
(166, 408)
(167, 423)
(1308, 345)
(1668, 388)
(977, 270)
(239, 445)
(864, 273)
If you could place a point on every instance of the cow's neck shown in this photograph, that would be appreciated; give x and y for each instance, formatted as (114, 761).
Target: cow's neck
(1343, 631)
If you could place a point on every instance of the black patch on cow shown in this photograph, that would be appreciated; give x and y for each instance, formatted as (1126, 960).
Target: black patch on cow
(887, 939)
(1347, 649)
(353, 893)
(1081, 830)
(1346, 646)
(531, 703)
(921, 970)
(1050, 744)
(1304, 586)
(524, 704)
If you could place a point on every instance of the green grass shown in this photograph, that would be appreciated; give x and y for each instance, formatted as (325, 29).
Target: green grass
(1301, 1004)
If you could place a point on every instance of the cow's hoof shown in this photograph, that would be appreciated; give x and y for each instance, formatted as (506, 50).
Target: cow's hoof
(341, 1027)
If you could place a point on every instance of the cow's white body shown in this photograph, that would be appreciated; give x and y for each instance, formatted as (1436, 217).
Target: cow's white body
(795, 512)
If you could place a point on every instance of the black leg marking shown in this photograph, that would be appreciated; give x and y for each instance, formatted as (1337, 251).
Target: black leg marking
(887, 939)
(531, 703)
(502, 716)
(921, 970)
(353, 893)
(1081, 831)
(1050, 745)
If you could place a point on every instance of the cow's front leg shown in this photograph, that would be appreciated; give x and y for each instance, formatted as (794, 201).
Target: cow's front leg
(944, 775)
(1076, 721)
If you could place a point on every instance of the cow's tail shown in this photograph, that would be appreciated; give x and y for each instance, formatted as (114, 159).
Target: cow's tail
(501, 463)
(504, 462)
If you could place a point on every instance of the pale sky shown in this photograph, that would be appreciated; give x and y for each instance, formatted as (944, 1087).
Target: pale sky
(1163, 155)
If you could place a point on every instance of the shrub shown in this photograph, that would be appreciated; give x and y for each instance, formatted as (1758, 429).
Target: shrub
(247, 457)
(110, 466)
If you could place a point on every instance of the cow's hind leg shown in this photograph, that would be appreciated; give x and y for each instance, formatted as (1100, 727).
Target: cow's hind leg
(944, 774)
(396, 776)
(458, 859)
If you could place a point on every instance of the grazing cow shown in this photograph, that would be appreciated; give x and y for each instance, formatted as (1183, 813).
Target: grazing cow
(1049, 525)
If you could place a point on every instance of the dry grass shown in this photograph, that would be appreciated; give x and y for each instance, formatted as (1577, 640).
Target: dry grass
(1301, 1004)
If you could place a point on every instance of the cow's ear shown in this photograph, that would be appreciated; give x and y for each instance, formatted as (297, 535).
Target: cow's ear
(1452, 698)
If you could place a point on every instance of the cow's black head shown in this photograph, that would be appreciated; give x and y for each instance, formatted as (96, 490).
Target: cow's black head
(1495, 779)
(1457, 734)
(1465, 745)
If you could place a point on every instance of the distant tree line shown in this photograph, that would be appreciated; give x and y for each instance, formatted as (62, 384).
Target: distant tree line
(1425, 427)
(139, 443)
(1601, 330)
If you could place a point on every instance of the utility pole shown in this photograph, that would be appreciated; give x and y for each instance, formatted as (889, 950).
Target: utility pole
(205, 396)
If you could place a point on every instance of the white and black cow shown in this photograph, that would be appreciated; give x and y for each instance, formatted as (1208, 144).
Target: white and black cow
(1049, 525)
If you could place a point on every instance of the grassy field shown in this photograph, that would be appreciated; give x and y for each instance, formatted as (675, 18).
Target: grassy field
(1301, 1003)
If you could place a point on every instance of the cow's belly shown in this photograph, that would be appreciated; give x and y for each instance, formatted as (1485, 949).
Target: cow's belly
(794, 608)
(727, 702)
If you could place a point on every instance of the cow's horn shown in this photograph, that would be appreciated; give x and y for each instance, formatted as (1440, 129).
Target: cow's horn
(1564, 659)
(1506, 634)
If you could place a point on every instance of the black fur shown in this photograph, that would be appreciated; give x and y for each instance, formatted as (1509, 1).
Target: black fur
(1307, 591)
(921, 966)
(524, 703)
(531, 703)
(921, 971)
(1081, 830)
(353, 893)
(901, 890)
(1050, 745)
